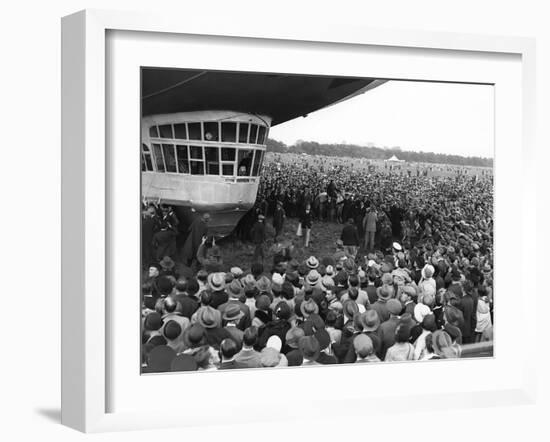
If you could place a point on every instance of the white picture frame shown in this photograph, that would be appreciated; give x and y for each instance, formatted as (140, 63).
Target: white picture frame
(91, 169)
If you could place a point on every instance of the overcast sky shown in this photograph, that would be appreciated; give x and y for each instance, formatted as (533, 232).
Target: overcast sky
(430, 117)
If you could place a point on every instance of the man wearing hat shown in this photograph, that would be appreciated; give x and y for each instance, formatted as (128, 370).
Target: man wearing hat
(279, 216)
(325, 357)
(310, 348)
(279, 326)
(216, 283)
(195, 339)
(210, 319)
(257, 235)
(370, 323)
(197, 230)
(407, 298)
(364, 349)
(232, 316)
(384, 293)
(263, 311)
(387, 328)
(369, 225)
(350, 238)
(235, 292)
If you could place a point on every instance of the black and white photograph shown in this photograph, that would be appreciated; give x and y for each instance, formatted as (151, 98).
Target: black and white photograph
(304, 220)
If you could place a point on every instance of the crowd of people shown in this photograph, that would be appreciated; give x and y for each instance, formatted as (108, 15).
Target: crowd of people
(409, 278)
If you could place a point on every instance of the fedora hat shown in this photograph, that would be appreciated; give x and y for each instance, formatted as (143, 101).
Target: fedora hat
(323, 337)
(310, 347)
(282, 310)
(385, 292)
(350, 308)
(370, 320)
(194, 336)
(236, 272)
(235, 289)
(407, 320)
(394, 306)
(232, 312)
(313, 277)
(208, 317)
(312, 262)
(263, 284)
(363, 346)
(308, 308)
(293, 336)
(217, 281)
(263, 302)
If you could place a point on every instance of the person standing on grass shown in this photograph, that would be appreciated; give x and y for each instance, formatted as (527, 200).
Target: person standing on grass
(369, 225)
(350, 238)
(304, 227)
(258, 237)
(279, 216)
(197, 230)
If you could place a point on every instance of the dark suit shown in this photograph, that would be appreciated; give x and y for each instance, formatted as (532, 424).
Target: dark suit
(467, 306)
(387, 334)
(231, 365)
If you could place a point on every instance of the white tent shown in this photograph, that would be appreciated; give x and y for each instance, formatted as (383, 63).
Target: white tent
(394, 159)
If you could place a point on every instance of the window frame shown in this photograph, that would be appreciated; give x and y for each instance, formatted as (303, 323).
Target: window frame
(184, 124)
(178, 160)
(155, 156)
(144, 155)
(195, 160)
(217, 147)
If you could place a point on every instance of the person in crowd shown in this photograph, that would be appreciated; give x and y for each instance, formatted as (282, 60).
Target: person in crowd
(257, 234)
(369, 226)
(197, 230)
(248, 356)
(164, 241)
(364, 349)
(402, 349)
(350, 238)
(278, 219)
(305, 224)
(443, 346)
(228, 351)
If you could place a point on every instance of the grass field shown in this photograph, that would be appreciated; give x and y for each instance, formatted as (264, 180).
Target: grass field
(322, 243)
